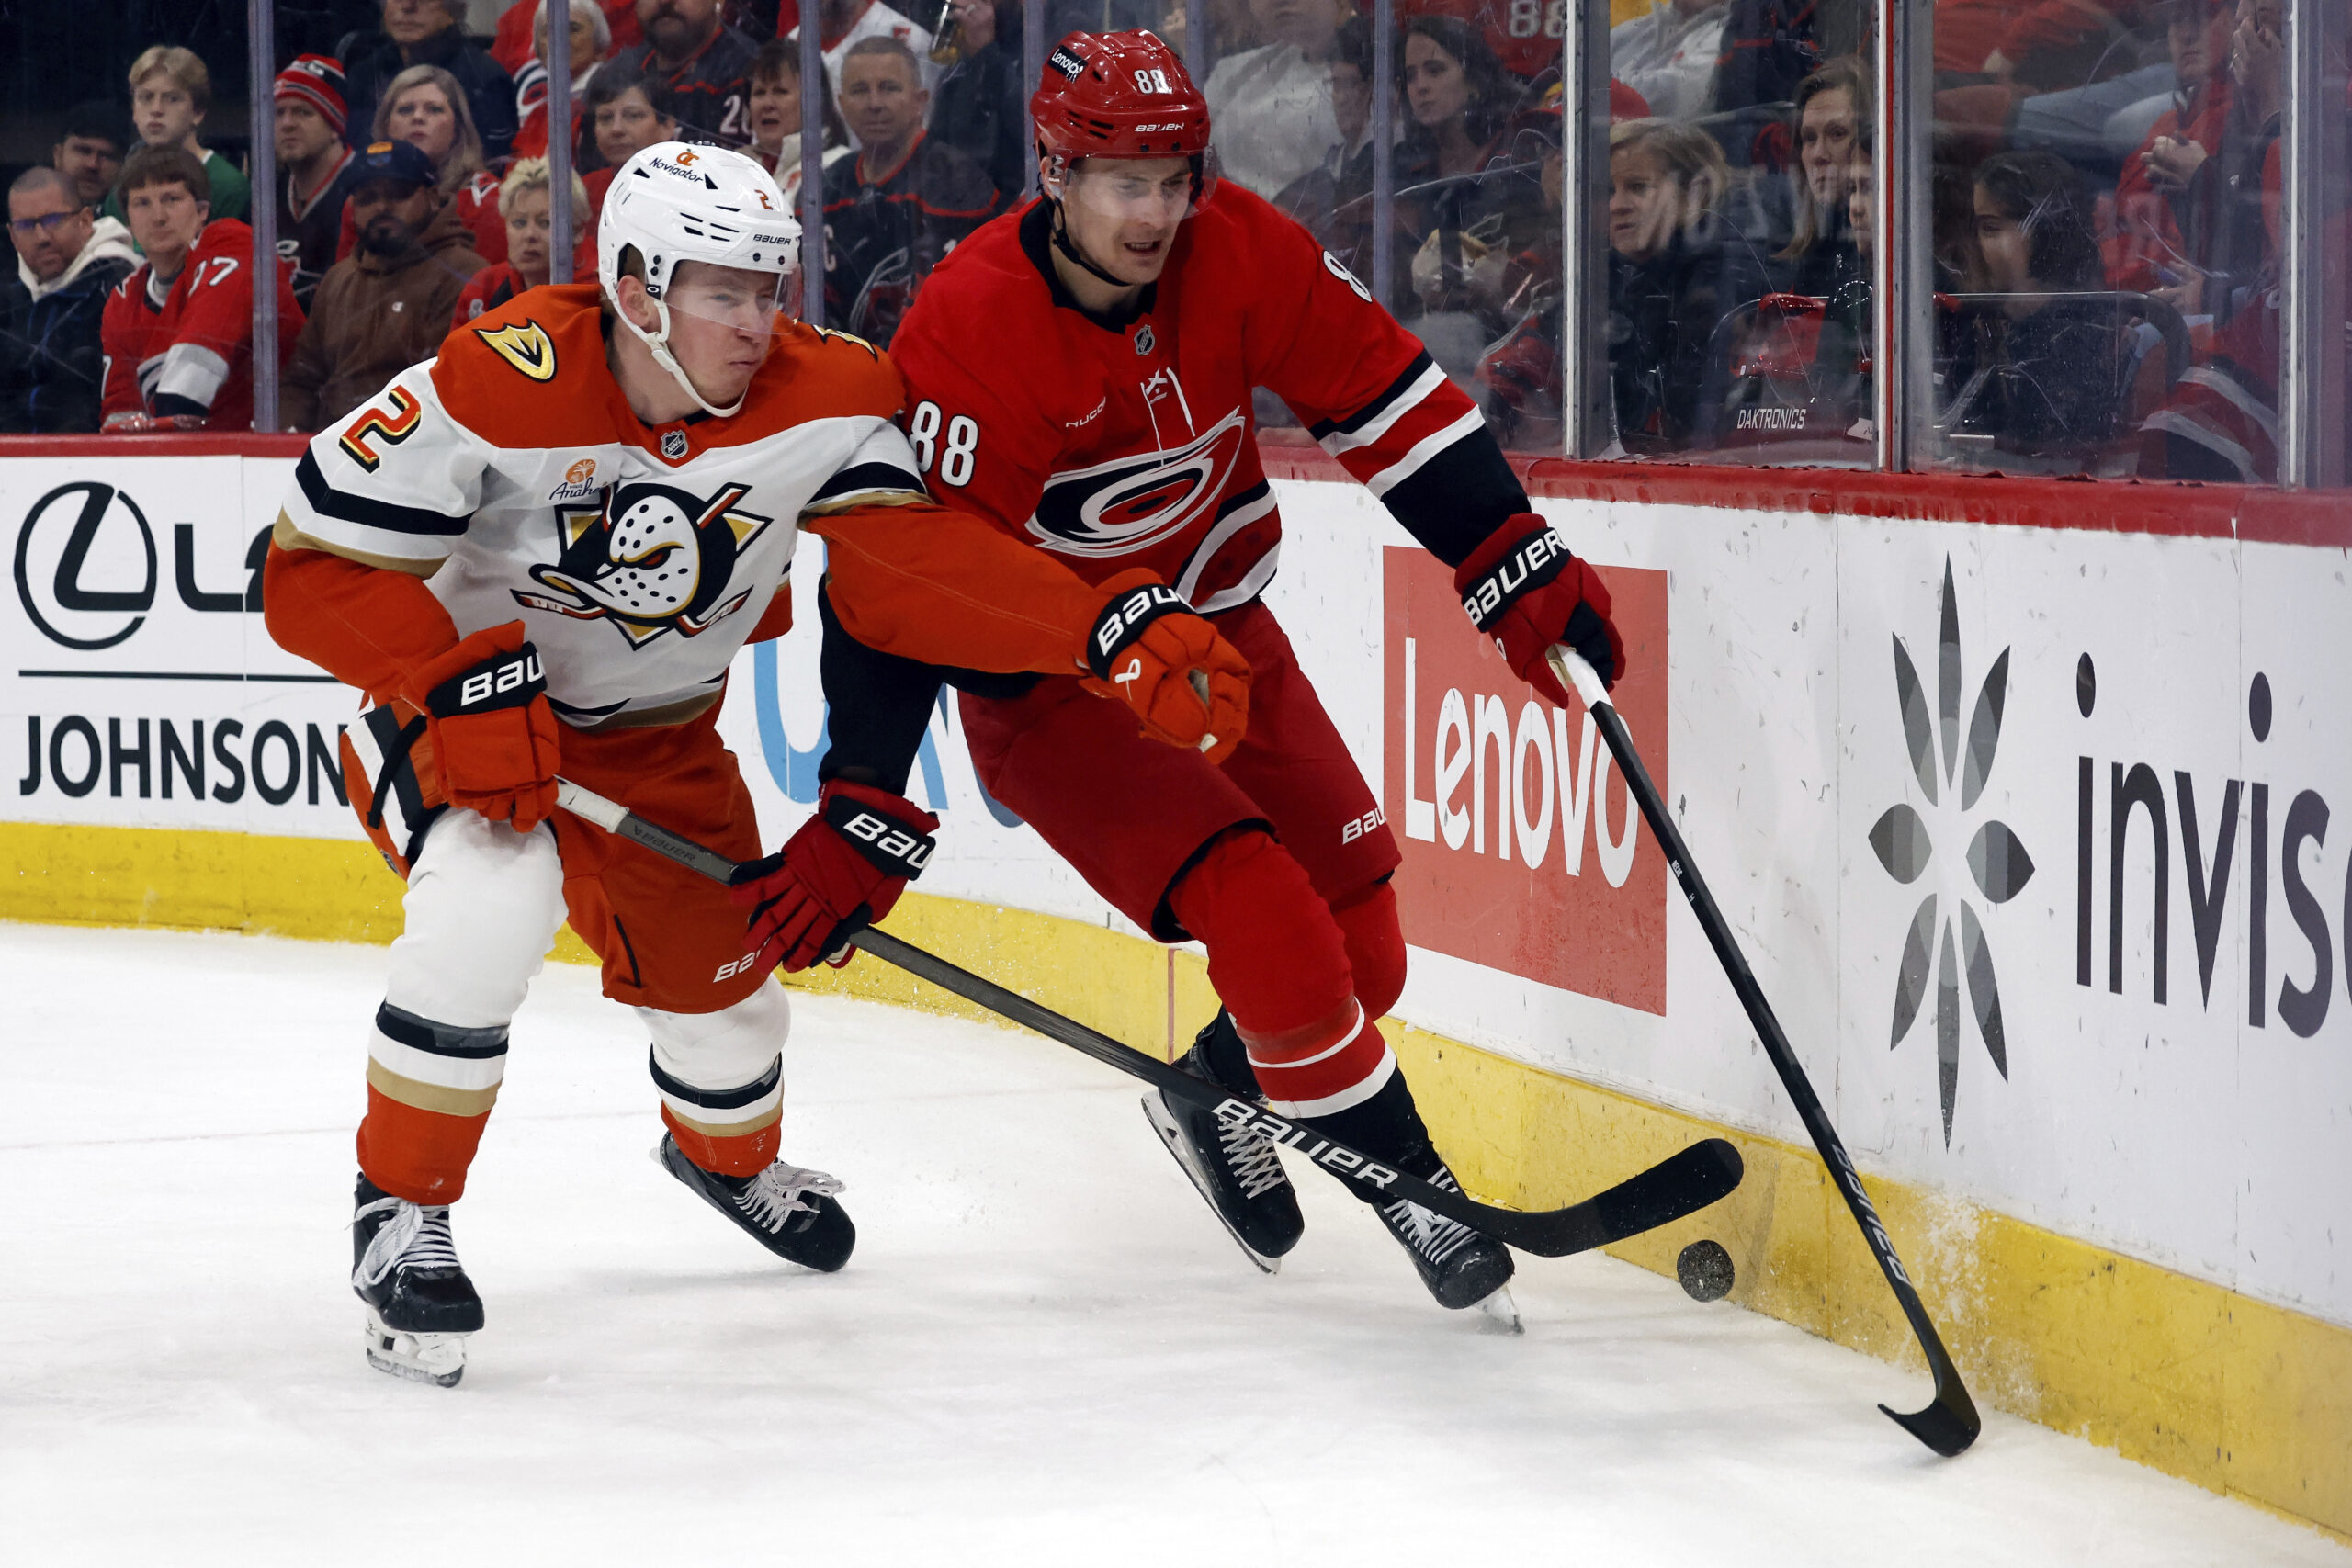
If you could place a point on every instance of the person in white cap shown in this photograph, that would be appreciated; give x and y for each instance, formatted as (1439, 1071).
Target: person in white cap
(544, 548)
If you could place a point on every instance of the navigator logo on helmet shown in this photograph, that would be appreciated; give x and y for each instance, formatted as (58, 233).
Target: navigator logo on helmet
(672, 204)
(1117, 96)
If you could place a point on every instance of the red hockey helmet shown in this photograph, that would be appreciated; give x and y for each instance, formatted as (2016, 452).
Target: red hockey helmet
(1121, 95)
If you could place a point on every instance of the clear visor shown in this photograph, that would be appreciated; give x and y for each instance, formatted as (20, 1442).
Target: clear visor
(737, 298)
(1154, 191)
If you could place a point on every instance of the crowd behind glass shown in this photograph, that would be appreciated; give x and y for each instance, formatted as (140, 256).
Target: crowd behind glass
(2105, 220)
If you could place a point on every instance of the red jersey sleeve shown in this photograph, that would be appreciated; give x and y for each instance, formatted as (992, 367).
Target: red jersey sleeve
(122, 340)
(1367, 391)
(212, 322)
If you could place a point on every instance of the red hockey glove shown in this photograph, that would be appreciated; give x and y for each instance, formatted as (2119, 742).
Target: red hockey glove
(842, 871)
(1524, 589)
(486, 713)
(1188, 685)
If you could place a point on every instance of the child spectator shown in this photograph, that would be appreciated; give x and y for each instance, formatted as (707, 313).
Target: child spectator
(524, 199)
(897, 206)
(389, 306)
(776, 118)
(68, 262)
(171, 92)
(705, 65)
(591, 44)
(426, 32)
(307, 134)
(178, 332)
(90, 151)
(627, 113)
(424, 107)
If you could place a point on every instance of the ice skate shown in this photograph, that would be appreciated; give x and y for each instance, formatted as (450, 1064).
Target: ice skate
(1234, 1168)
(790, 1212)
(1460, 1267)
(421, 1306)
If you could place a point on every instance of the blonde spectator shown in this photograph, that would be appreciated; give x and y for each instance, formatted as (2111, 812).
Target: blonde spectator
(426, 107)
(524, 201)
(171, 94)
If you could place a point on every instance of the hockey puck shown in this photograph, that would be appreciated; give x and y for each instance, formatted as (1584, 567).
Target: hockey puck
(1705, 1270)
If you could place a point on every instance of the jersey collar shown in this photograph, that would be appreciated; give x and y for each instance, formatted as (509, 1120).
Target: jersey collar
(1036, 243)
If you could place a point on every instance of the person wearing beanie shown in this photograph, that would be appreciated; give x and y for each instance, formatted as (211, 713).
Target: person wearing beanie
(317, 168)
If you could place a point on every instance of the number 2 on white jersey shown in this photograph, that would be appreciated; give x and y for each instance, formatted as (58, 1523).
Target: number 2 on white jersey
(956, 456)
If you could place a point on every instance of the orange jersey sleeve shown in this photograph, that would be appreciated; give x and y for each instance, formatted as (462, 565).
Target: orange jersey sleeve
(369, 626)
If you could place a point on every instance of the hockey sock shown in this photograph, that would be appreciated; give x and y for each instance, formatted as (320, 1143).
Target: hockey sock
(728, 1132)
(430, 1088)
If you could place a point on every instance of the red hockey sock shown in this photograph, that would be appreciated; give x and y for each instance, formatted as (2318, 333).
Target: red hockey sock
(416, 1153)
(1376, 945)
(727, 1154)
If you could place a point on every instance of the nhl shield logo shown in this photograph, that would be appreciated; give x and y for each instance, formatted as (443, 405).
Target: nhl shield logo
(1144, 342)
(653, 558)
(673, 445)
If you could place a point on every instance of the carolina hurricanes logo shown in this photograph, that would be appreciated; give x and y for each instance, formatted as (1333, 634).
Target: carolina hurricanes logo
(1133, 502)
(653, 558)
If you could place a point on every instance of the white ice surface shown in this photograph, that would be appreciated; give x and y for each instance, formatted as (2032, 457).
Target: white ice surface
(1044, 1351)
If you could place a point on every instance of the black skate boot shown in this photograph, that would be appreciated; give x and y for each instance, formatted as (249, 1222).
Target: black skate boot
(788, 1211)
(1461, 1267)
(1236, 1170)
(421, 1306)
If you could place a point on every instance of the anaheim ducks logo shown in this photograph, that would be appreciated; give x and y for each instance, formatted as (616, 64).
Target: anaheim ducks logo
(525, 346)
(652, 560)
(1133, 502)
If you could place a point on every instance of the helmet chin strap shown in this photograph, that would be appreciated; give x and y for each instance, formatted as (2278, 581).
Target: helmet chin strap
(659, 344)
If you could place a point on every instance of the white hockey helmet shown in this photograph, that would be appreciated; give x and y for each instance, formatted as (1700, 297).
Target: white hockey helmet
(674, 203)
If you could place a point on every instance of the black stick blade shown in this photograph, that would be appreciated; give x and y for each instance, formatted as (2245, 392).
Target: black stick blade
(1682, 1184)
(1946, 1430)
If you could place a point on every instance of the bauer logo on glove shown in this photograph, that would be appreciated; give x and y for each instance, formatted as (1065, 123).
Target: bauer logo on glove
(1124, 619)
(508, 684)
(1533, 562)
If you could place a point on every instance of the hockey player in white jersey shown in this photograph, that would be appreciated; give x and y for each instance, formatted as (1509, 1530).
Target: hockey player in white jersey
(542, 550)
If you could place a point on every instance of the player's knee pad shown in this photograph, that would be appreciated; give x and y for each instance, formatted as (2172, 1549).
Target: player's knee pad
(483, 904)
(1276, 955)
(721, 1079)
(1375, 940)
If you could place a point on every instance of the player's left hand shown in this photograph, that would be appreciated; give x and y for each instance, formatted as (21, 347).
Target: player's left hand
(1524, 589)
(843, 870)
(1152, 651)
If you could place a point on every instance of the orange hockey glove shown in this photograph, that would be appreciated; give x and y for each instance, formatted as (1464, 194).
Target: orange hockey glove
(486, 713)
(1187, 685)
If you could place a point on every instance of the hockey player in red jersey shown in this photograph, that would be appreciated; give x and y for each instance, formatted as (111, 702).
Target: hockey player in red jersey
(543, 549)
(1080, 373)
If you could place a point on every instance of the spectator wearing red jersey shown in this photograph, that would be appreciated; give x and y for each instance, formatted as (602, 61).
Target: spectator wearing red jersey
(591, 45)
(705, 65)
(524, 199)
(426, 107)
(178, 333)
(388, 306)
(903, 203)
(307, 129)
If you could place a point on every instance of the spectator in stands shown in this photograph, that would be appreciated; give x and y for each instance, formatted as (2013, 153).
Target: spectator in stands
(901, 203)
(178, 332)
(843, 24)
(1666, 278)
(1334, 199)
(388, 306)
(625, 113)
(428, 33)
(2150, 247)
(524, 199)
(1457, 100)
(591, 40)
(68, 261)
(1669, 55)
(519, 31)
(705, 65)
(425, 106)
(1769, 47)
(90, 151)
(776, 118)
(2051, 381)
(171, 92)
(1831, 106)
(982, 98)
(1271, 104)
(307, 130)
(2225, 204)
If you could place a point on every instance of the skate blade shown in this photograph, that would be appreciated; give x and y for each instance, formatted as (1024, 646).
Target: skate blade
(436, 1358)
(1181, 1152)
(1497, 1314)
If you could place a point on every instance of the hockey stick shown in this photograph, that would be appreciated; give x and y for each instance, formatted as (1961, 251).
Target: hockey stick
(1950, 1423)
(1685, 1181)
